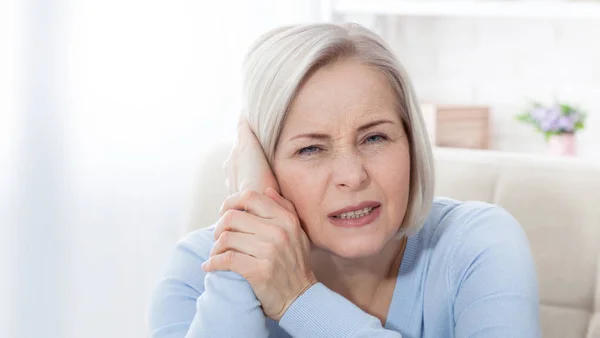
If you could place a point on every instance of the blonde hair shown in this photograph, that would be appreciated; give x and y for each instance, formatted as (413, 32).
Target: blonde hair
(280, 60)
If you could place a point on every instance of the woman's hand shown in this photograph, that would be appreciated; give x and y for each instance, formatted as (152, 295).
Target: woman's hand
(266, 245)
(246, 168)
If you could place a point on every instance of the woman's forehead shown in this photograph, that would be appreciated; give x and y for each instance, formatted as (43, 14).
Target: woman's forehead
(342, 95)
(343, 86)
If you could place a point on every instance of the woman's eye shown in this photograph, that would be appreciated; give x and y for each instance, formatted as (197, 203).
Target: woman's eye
(376, 138)
(309, 150)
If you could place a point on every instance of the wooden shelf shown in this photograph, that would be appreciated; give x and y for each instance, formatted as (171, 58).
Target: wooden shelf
(473, 8)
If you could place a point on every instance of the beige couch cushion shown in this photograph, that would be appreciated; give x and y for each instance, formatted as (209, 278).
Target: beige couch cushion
(594, 330)
(563, 229)
(558, 321)
(557, 201)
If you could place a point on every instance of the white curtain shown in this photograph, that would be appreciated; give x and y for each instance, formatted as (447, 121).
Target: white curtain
(106, 108)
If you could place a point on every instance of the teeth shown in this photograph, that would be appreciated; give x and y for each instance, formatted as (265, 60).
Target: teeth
(355, 214)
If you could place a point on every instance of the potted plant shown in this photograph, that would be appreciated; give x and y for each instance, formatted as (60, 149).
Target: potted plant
(558, 123)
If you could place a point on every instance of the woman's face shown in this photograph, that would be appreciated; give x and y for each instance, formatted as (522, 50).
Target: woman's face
(343, 145)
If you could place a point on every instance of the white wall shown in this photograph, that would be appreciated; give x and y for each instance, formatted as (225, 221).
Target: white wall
(155, 84)
(8, 63)
(504, 63)
(106, 109)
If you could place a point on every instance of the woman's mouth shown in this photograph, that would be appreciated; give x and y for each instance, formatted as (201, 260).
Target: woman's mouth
(355, 214)
(357, 218)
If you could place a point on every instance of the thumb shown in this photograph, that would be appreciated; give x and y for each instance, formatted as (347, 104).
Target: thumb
(274, 195)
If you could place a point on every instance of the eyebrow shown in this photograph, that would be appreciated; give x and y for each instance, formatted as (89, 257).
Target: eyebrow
(326, 137)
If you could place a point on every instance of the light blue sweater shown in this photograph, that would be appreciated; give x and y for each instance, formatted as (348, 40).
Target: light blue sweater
(467, 273)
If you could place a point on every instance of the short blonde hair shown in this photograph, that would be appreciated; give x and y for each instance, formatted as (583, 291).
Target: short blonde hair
(280, 60)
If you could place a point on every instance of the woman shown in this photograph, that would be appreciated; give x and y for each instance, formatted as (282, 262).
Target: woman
(342, 238)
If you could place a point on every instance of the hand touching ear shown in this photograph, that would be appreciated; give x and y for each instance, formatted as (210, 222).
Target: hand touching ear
(258, 234)
(266, 245)
(247, 168)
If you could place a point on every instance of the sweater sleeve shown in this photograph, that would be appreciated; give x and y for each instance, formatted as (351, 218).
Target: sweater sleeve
(492, 274)
(189, 303)
(322, 313)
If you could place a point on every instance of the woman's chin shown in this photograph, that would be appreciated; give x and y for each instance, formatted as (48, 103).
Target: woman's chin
(352, 248)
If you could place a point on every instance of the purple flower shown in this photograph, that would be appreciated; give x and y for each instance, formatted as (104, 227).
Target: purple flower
(539, 113)
(549, 125)
(550, 119)
(566, 123)
(554, 112)
(556, 119)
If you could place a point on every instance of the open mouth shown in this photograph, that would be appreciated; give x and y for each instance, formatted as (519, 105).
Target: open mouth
(356, 214)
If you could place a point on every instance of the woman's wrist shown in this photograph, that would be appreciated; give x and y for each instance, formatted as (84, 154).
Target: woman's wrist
(310, 281)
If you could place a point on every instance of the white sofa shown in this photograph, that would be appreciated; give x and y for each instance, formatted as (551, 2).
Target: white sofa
(556, 200)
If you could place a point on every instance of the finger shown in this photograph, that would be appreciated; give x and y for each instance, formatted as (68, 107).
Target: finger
(245, 222)
(230, 261)
(236, 220)
(273, 194)
(248, 244)
(253, 202)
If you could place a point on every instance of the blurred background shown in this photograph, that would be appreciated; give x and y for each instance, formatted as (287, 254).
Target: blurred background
(107, 108)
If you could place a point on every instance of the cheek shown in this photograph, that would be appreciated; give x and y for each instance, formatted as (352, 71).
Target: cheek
(298, 184)
(392, 176)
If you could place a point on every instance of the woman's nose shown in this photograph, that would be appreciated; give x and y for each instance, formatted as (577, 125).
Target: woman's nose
(349, 171)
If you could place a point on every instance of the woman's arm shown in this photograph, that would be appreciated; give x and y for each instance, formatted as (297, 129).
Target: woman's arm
(323, 313)
(493, 277)
(266, 245)
(190, 303)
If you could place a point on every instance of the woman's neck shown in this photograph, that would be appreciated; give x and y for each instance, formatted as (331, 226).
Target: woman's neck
(359, 279)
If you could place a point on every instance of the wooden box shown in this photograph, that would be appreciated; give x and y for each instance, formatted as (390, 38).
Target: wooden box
(457, 126)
